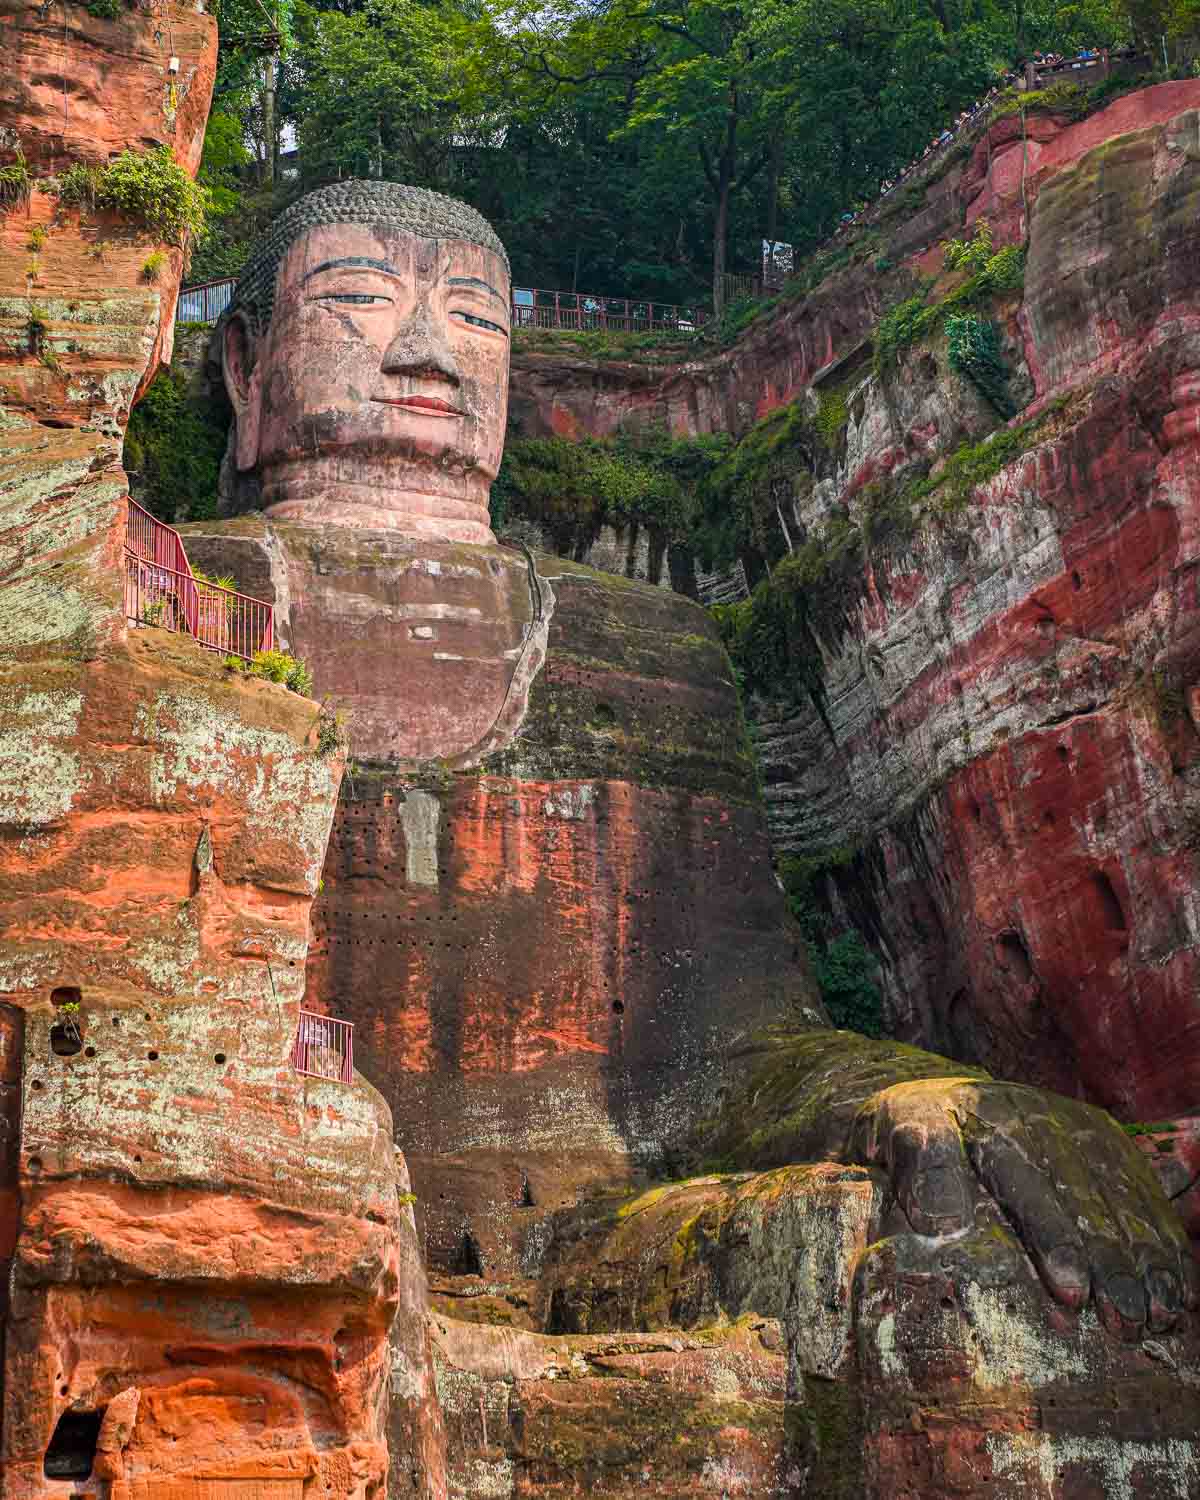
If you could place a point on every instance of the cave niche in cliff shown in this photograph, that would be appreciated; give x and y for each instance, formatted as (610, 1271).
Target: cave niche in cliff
(468, 1261)
(72, 1449)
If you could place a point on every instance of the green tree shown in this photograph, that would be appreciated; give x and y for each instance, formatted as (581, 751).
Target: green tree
(383, 94)
(684, 72)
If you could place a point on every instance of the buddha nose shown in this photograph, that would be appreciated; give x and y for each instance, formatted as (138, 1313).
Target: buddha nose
(419, 349)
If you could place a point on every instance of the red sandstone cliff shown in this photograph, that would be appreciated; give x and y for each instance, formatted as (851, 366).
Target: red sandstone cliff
(735, 1332)
(1009, 747)
(204, 1251)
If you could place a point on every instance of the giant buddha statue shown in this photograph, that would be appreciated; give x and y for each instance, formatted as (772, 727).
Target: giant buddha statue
(548, 901)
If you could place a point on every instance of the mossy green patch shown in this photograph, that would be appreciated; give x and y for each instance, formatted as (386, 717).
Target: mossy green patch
(803, 1089)
(834, 1424)
(647, 478)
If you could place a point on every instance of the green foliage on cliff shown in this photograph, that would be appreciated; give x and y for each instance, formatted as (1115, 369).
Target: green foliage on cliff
(146, 187)
(993, 274)
(973, 464)
(151, 187)
(777, 637)
(844, 967)
(831, 418)
(974, 348)
(282, 668)
(969, 255)
(719, 499)
(572, 489)
(173, 451)
(16, 182)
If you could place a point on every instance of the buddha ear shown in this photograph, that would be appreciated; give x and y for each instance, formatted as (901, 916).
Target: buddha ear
(243, 382)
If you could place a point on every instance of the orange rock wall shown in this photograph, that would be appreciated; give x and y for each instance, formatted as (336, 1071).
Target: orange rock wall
(204, 1250)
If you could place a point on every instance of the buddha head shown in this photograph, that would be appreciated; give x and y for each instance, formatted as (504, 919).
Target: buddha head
(366, 357)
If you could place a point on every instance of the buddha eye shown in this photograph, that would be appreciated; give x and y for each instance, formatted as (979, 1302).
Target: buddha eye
(360, 299)
(476, 322)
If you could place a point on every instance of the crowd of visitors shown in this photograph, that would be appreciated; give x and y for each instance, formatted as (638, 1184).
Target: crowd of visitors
(1044, 65)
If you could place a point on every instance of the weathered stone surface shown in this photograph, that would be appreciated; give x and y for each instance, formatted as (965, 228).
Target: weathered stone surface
(1005, 746)
(202, 1249)
(907, 1365)
(545, 959)
(671, 1414)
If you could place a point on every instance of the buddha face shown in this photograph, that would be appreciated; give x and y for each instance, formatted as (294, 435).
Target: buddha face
(378, 394)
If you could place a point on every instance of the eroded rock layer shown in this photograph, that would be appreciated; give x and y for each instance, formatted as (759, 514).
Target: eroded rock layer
(545, 954)
(204, 1250)
(1001, 766)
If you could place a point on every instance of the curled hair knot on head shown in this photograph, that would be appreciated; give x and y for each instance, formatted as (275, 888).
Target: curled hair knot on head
(386, 205)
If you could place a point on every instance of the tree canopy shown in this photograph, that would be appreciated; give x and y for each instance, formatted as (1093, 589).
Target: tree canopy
(620, 147)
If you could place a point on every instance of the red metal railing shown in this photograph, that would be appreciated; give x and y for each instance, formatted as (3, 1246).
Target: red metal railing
(324, 1047)
(532, 307)
(161, 589)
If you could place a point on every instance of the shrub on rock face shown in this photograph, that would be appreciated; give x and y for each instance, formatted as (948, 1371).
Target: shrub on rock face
(974, 346)
(148, 187)
(16, 182)
(969, 255)
(79, 184)
(151, 187)
(276, 666)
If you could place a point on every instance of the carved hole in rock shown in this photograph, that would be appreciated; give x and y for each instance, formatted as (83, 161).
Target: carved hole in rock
(1114, 917)
(89, 1052)
(152, 1056)
(65, 1040)
(618, 1007)
(36, 1085)
(468, 1261)
(1076, 581)
(219, 1057)
(72, 1449)
(1014, 956)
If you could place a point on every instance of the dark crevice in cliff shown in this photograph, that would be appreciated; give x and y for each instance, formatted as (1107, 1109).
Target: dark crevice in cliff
(1068, 715)
(1186, 1189)
(72, 1450)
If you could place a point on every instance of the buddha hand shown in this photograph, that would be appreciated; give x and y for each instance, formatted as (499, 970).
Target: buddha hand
(1079, 1193)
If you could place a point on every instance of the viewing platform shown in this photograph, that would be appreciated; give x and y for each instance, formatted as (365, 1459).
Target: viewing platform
(324, 1047)
(162, 589)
